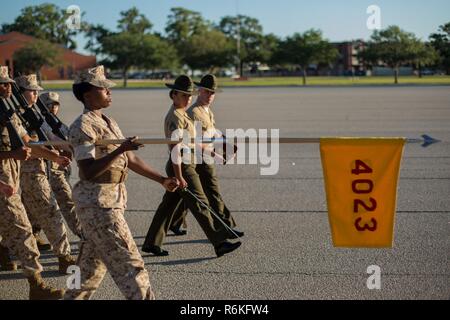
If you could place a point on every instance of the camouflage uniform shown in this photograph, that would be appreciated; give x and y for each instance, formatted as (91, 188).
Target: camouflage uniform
(15, 228)
(63, 194)
(59, 177)
(14, 224)
(37, 195)
(100, 206)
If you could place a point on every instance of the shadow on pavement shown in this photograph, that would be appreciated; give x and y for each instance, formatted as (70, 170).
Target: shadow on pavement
(177, 242)
(187, 242)
(17, 275)
(179, 262)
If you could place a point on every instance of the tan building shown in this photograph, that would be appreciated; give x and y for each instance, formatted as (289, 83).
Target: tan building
(71, 61)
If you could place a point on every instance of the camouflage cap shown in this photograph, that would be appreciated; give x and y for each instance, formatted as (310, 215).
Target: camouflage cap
(95, 76)
(4, 75)
(28, 82)
(49, 98)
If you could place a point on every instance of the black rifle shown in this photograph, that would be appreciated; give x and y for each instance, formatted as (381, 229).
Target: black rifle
(6, 114)
(18, 113)
(52, 120)
(33, 119)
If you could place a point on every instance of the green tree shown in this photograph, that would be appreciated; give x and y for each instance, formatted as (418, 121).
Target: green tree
(182, 24)
(95, 35)
(156, 53)
(132, 46)
(133, 21)
(123, 51)
(248, 32)
(34, 56)
(369, 56)
(208, 50)
(394, 47)
(425, 55)
(441, 43)
(46, 22)
(305, 49)
(271, 44)
(126, 50)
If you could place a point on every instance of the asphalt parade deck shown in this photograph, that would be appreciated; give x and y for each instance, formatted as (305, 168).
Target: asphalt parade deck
(287, 251)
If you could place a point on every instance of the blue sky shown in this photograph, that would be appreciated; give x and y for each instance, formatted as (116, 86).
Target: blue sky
(339, 19)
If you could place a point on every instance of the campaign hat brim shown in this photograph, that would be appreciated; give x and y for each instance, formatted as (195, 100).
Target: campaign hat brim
(199, 85)
(173, 87)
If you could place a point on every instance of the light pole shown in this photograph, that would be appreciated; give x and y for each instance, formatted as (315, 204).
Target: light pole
(238, 38)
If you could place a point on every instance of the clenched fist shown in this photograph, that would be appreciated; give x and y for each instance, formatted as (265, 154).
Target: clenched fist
(63, 161)
(171, 184)
(22, 154)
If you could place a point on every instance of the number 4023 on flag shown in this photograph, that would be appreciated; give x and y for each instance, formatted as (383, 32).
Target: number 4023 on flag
(361, 178)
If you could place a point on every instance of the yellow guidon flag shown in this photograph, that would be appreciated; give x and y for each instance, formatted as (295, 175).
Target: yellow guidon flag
(361, 177)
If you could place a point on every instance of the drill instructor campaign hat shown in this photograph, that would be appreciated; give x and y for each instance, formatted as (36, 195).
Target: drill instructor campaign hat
(183, 84)
(209, 82)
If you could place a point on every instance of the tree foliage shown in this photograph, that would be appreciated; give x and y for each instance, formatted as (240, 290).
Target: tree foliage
(253, 45)
(34, 56)
(396, 47)
(304, 49)
(208, 50)
(133, 46)
(134, 22)
(441, 43)
(183, 24)
(46, 22)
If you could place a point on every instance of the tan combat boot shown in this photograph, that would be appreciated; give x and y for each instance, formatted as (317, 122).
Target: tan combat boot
(39, 291)
(65, 262)
(42, 245)
(5, 261)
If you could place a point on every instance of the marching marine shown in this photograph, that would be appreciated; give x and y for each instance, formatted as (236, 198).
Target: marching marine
(176, 124)
(6, 264)
(15, 228)
(59, 175)
(201, 112)
(37, 194)
(100, 196)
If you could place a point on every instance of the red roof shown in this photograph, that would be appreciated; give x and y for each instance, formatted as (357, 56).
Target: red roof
(71, 60)
(16, 37)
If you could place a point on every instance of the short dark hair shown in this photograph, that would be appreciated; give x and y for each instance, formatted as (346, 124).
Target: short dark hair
(79, 89)
(171, 93)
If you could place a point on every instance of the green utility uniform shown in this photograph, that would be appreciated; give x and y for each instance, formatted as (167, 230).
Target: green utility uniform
(177, 119)
(207, 174)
